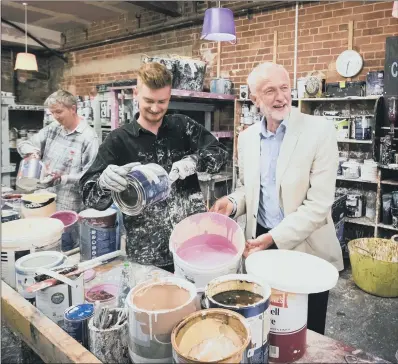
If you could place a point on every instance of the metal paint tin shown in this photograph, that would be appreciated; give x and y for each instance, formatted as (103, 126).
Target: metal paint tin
(257, 314)
(76, 322)
(29, 173)
(98, 233)
(9, 215)
(148, 184)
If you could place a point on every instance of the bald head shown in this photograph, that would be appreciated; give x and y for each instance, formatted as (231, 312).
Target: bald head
(265, 72)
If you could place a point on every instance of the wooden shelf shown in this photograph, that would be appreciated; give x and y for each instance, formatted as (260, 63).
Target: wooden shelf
(389, 182)
(27, 107)
(354, 141)
(341, 178)
(388, 227)
(359, 98)
(360, 221)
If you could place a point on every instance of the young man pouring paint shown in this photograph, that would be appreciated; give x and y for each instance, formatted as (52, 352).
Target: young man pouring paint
(177, 143)
(288, 167)
(67, 147)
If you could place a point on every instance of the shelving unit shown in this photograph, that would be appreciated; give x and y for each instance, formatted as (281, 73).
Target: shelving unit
(13, 115)
(357, 106)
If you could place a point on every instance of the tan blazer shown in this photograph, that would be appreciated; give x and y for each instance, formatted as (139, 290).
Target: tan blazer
(305, 178)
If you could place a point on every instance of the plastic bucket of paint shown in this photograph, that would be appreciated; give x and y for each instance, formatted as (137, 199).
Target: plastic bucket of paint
(98, 233)
(9, 215)
(38, 204)
(25, 236)
(256, 313)
(105, 294)
(224, 243)
(70, 237)
(197, 338)
(26, 267)
(150, 327)
(292, 276)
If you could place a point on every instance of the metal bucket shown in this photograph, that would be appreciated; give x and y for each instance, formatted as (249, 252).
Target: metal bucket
(29, 173)
(148, 184)
(257, 314)
(201, 327)
(221, 86)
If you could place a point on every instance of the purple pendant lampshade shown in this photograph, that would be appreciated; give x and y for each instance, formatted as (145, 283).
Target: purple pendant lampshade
(219, 25)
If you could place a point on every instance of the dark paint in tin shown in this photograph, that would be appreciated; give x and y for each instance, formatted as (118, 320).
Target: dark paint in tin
(76, 322)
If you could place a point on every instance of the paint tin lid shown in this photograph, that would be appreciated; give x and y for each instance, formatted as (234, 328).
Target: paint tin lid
(79, 312)
(89, 275)
(48, 259)
(32, 232)
(292, 271)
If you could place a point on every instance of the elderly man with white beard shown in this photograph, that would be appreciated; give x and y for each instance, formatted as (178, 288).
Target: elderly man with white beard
(287, 166)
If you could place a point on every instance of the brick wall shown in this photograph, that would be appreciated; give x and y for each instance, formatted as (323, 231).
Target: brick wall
(323, 34)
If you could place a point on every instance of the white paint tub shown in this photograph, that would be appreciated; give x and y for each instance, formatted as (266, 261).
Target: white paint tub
(201, 225)
(292, 276)
(25, 236)
(26, 267)
(150, 331)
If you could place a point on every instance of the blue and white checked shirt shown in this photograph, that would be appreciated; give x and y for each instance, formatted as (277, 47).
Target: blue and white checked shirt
(269, 212)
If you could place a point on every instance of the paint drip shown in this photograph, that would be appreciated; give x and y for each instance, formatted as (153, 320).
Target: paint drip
(207, 250)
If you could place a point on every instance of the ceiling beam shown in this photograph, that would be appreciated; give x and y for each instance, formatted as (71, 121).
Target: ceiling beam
(170, 8)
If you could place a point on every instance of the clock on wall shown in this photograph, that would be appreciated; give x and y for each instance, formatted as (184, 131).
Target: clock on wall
(349, 63)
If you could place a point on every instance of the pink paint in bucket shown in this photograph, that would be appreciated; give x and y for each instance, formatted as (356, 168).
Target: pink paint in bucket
(106, 294)
(70, 238)
(206, 246)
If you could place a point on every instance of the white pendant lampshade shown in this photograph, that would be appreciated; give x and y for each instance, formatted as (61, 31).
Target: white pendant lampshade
(26, 61)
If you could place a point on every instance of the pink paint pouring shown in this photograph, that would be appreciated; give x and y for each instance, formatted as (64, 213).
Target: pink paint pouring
(208, 250)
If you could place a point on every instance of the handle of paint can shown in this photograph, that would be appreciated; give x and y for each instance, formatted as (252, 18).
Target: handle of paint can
(161, 342)
(204, 301)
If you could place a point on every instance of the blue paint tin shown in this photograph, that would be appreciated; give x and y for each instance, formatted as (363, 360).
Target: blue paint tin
(257, 314)
(148, 184)
(98, 233)
(9, 215)
(76, 322)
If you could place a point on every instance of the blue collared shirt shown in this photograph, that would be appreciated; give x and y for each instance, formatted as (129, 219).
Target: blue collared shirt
(269, 212)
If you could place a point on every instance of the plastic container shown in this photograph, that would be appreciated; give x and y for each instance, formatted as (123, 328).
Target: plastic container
(203, 225)
(38, 204)
(26, 267)
(93, 295)
(70, 236)
(150, 330)
(25, 236)
(198, 326)
(257, 314)
(292, 276)
(374, 264)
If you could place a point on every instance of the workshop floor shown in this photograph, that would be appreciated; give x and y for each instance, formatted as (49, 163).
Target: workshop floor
(354, 317)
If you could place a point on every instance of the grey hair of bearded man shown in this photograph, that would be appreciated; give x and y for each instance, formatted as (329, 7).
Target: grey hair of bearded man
(261, 73)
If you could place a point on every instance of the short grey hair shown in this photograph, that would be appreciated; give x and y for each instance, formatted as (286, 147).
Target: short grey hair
(261, 72)
(61, 97)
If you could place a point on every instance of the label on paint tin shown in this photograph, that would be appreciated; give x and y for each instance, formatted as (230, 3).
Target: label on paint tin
(95, 242)
(8, 259)
(156, 186)
(288, 324)
(259, 329)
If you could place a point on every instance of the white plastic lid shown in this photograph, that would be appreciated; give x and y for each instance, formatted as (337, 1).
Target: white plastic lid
(292, 271)
(92, 213)
(26, 233)
(48, 259)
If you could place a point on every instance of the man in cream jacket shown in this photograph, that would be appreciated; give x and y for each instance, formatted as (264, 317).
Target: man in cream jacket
(287, 167)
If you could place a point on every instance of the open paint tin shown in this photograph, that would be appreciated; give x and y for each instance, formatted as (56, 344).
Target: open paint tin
(148, 184)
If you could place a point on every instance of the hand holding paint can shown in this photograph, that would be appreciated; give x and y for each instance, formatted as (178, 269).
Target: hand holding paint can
(147, 184)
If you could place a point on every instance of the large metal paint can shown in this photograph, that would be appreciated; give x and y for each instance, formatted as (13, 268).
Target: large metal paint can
(257, 315)
(29, 173)
(221, 86)
(148, 184)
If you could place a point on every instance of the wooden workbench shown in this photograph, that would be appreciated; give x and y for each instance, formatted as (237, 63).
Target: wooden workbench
(54, 345)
